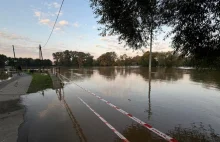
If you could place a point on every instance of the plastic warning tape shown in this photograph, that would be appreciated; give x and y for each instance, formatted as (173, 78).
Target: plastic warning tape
(149, 127)
(106, 123)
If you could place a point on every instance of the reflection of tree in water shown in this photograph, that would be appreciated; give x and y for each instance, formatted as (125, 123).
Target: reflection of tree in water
(196, 133)
(208, 78)
(79, 74)
(107, 72)
(124, 71)
(149, 99)
(137, 133)
(168, 74)
(76, 125)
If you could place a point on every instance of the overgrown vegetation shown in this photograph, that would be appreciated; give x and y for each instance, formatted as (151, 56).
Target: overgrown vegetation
(159, 59)
(40, 82)
(72, 58)
(4, 75)
(25, 62)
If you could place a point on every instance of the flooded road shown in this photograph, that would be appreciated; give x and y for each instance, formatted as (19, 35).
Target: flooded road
(181, 103)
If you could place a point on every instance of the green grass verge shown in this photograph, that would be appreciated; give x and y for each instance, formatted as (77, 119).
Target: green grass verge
(40, 82)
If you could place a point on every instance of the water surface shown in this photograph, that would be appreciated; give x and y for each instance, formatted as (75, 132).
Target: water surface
(182, 103)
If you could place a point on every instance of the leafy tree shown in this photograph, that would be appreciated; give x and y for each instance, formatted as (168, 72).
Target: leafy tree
(134, 21)
(73, 58)
(196, 28)
(28, 62)
(3, 59)
(57, 57)
(136, 60)
(107, 59)
(67, 58)
(145, 59)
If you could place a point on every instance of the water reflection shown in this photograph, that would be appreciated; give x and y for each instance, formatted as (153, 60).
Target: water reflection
(208, 78)
(195, 133)
(166, 74)
(76, 126)
(48, 118)
(149, 99)
(78, 74)
(137, 133)
(108, 73)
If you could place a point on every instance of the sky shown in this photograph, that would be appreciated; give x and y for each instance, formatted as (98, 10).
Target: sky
(26, 24)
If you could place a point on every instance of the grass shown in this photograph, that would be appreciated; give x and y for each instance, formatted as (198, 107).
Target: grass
(40, 82)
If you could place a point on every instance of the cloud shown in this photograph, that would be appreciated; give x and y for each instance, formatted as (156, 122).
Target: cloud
(59, 26)
(52, 5)
(161, 46)
(45, 21)
(57, 29)
(12, 36)
(37, 14)
(63, 23)
(56, 5)
(94, 27)
(76, 24)
(109, 39)
(61, 13)
(111, 44)
(81, 37)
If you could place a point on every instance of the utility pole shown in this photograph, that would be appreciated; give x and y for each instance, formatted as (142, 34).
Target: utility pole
(13, 50)
(40, 53)
(40, 57)
(14, 56)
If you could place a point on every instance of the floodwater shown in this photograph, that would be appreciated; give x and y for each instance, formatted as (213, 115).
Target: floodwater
(181, 103)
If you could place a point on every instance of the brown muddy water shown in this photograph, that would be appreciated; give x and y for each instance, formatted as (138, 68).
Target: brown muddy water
(182, 103)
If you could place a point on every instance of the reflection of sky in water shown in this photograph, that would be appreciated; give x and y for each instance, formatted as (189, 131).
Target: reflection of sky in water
(178, 101)
(175, 97)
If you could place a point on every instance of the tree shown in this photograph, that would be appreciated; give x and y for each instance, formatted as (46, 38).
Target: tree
(73, 58)
(107, 59)
(145, 60)
(57, 57)
(3, 59)
(67, 58)
(196, 28)
(134, 21)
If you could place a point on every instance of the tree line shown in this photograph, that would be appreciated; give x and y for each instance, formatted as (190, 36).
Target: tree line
(81, 59)
(24, 62)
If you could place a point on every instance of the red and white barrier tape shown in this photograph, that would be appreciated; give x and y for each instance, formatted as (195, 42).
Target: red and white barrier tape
(149, 127)
(106, 123)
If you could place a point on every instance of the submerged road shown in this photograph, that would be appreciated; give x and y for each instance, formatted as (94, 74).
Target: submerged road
(71, 114)
(11, 113)
(75, 114)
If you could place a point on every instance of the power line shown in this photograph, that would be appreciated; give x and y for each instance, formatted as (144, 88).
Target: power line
(54, 23)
